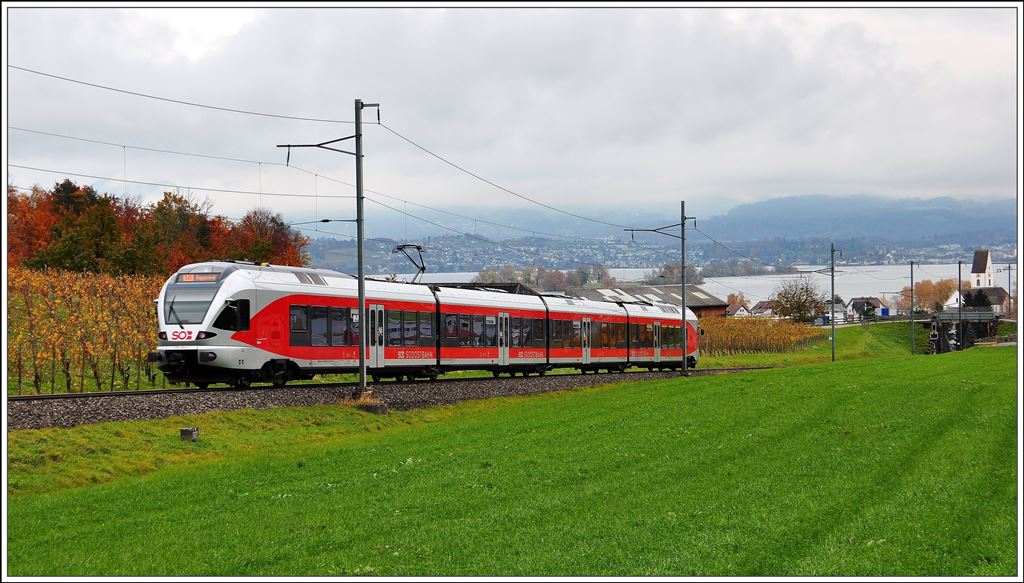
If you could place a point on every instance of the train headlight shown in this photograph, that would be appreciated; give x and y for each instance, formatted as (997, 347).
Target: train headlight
(207, 356)
(205, 335)
(162, 336)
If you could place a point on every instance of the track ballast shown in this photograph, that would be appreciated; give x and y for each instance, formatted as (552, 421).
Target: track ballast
(70, 409)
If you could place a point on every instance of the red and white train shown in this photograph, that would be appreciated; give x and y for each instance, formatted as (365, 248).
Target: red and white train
(238, 323)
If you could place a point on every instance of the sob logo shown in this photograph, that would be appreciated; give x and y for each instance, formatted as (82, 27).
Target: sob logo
(181, 335)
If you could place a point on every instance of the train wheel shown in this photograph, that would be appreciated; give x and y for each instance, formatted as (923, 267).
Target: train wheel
(376, 378)
(203, 385)
(241, 383)
(495, 373)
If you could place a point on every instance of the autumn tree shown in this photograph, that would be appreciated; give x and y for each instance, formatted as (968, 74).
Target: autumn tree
(601, 275)
(553, 280)
(72, 227)
(506, 274)
(669, 273)
(30, 220)
(800, 299)
(738, 299)
(929, 294)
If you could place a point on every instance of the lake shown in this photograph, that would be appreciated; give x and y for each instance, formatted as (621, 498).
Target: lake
(851, 280)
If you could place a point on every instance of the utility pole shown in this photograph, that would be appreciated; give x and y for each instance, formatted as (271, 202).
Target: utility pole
(832, 301)
(359, 246)
(682, 267)
(682, 277)
(912, 307)
(1009, 286)
(959, 306)
(358, 137)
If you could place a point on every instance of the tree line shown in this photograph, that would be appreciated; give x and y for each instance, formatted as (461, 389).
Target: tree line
(75, 228)
(546, 279)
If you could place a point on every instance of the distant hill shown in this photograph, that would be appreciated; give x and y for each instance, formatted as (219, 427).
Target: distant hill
(873, 217)
(793, 217)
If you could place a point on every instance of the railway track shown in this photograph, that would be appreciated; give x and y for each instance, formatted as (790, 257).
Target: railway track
(70, 409)
(185, 391)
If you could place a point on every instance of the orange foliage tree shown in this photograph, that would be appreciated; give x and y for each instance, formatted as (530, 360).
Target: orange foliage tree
(72, 227)
(929, 295)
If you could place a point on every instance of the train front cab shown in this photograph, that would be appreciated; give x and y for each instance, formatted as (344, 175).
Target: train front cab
(198, 310)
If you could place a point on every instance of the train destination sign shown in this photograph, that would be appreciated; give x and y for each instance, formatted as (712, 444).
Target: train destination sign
(197, 277)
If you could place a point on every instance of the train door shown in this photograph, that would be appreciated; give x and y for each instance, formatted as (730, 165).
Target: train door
(377, 338)
(503, 338)
(657, 342)
(585, 340)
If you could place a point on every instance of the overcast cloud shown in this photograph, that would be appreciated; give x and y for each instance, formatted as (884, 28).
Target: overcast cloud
(582, 108)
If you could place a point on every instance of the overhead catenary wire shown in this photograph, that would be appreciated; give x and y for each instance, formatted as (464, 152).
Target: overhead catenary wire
(745, 293)
(180, 101)
(484, 239)
(311, 173)
(498, 186)
(726, 247)
(310, 119)
(168, 185)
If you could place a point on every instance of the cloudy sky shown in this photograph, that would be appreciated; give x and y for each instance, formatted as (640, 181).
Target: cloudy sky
(585, 109)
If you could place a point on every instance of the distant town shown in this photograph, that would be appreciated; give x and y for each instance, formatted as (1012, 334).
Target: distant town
(469, 253)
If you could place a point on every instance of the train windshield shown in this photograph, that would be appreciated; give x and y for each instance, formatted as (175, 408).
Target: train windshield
(188, 303)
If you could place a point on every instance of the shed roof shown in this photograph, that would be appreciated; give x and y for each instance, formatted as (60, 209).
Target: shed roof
(666, 294)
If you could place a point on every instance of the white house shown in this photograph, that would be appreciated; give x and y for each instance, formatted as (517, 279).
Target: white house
(737, 311)
(857, 308)
(997, 296)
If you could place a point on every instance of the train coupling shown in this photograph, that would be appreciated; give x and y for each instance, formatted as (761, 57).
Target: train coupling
(154, 357)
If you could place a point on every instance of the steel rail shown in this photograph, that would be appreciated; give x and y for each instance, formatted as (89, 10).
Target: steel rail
(353, 385)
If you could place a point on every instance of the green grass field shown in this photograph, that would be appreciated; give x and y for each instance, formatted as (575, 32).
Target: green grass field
(884, 466)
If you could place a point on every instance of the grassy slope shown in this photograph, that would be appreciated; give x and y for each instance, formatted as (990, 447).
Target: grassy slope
(891, 466)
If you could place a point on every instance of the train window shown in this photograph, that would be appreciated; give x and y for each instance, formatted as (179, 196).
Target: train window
(339, 326)
(524, 332)
(243, 314)
(537, 334)
(648, 332)
(394, 331)
(478, 331)
(491, 331)
(516, 325)
(576, 333)
(409, 320)
(556, 334)
(451, 326)
(298, 319)
(464, 336)
(318, 326)
(426, 329)
(299, 325)
(605, 332)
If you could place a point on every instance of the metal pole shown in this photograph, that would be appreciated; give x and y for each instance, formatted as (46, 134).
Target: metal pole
(359, 245)
(911, 307)
(832, 303)
(682, 276)
(959, 306)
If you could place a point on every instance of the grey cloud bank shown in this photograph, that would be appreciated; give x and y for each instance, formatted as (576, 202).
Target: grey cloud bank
(581, 108)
